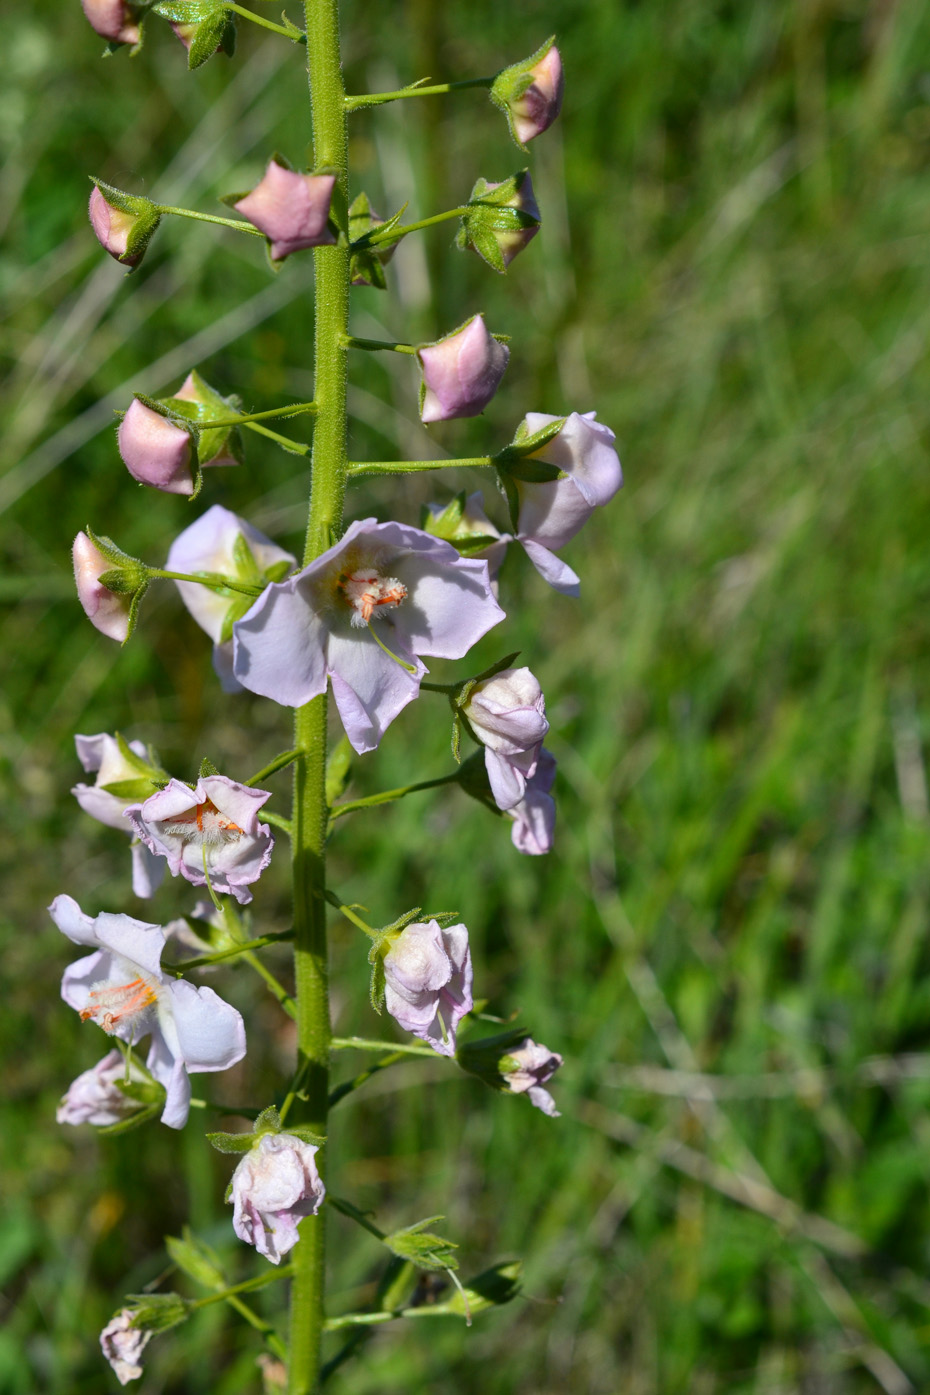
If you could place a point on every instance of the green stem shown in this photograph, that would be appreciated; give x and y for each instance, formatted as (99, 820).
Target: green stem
(348, 1087)
(310, 814)
(215, 582)
(277, 821)
(365, 1044)
(295, 410)
(248, 1286)
(352, 342)
(380, 239)
(285, 442)
(428, 1310)
(236, 223)
(295, 37)
(378, 99)
(229, 953)
(388, 796)
(279, 762)
(413, 467)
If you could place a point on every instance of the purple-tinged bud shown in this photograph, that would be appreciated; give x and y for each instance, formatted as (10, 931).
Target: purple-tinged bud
(507, 714)
(160, 453)
(109, 611)
(291, 209)
(500, 219)
(95, 1096)
(530, 93)
(427, 982)
(123, 223)
(366, 267)
(527, 1068)
(273, 1188)
(461, 372)
(114, 20)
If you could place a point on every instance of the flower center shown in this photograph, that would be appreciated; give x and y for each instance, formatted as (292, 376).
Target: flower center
(109, 1004)
(203, 824)
(370, 595)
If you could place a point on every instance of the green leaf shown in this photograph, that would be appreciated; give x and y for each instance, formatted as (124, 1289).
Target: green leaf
(197, 1260)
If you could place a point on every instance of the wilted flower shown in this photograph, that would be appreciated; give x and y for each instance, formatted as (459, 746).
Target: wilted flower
(104, 754)
(526, 1068)
(123, 223)
(115, 20)
(324, 621)
(109, 611)
(95, 1097)
(291, 209)
(122, 987)
(507, 714)
(273, 1188)
(427, 982)
(208, 832)
(534, 815)
(461, 372)
(489, 226)
(531, 93)
(123, 1345)
(160, 453)
(222, 542)
(553, 511)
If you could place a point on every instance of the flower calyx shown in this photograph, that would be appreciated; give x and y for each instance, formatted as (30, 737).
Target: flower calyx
(267, 1122)
(500, 219)
(368, 260)
(205, 27)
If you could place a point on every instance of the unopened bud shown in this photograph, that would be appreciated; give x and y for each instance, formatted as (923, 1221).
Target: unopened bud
(160, 452)
(530, 93)
(500, 219)
(291, 209)
(123, 223)
(461, 372)
(115, 20)
(366, 267)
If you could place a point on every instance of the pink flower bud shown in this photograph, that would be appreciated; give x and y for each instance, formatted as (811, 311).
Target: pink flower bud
(107, 610)
(274, 1187)
(530, 1066)
(507, 713)
(123, 1345)
(513, 242)
(291, 209)
(531, 93)
(461, 372)
(155, 451)
(489, 231)
(112, 228)
(541, 103)
(95, 1097)
(427, 982)
(113, 19)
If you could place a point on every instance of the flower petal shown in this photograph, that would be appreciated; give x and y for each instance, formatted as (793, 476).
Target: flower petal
(369, 686)
(552, 569)
(279, 647)
(211, 1033)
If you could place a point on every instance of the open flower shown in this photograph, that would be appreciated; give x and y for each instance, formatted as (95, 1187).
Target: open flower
(121, 986)
(222, 542)
(291, 209)
(211, 831)
(273, 1188)
(123, 1344)
(526, 1068)
(362, 614)
(427, 982)
(553, 511)
(102, 753)
(507, 714)
(95, 1097)
(534, 816)
(461, 372)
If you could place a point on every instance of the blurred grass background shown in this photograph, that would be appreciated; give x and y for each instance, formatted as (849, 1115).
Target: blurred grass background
(729, 942)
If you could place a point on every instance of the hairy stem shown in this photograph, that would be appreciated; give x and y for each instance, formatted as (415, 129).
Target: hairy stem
(310, 816)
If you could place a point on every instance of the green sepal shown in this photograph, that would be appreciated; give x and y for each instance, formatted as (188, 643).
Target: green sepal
(278, 570)
(231, 1142)
(456, 735)
(150, 767)
(377, 985)
(212, 36)
(488, 1058)
(268, 1121)
(157, 1312)
(135, 573)
(186, 11)
(247, 568)
(207, 768)
(528, 442)
(533, 471)
(338, 770)
(484, 243)
(418, 1245)
(131, 791)
(510, 492)
(473, 779)
(196, 1259)
(306, 1135)
(490, 1289)
(444, 524)
(362, 228)
(238, 607)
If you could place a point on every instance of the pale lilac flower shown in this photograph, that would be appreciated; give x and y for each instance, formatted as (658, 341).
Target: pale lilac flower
(362, 613)
(107, 610)
(291, 209)
(274, 1187)
(208, 832)
(209, 545)
(534, 1064)
(122, 987)
(95, 1097)
(552, 512)
(427, 982)
(123, 1345)
(507, 714)
(534, 816)
(101, 753)
(461, 372)
(113, 19)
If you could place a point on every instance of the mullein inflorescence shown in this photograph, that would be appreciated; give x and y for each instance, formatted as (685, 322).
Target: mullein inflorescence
(356, 616)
